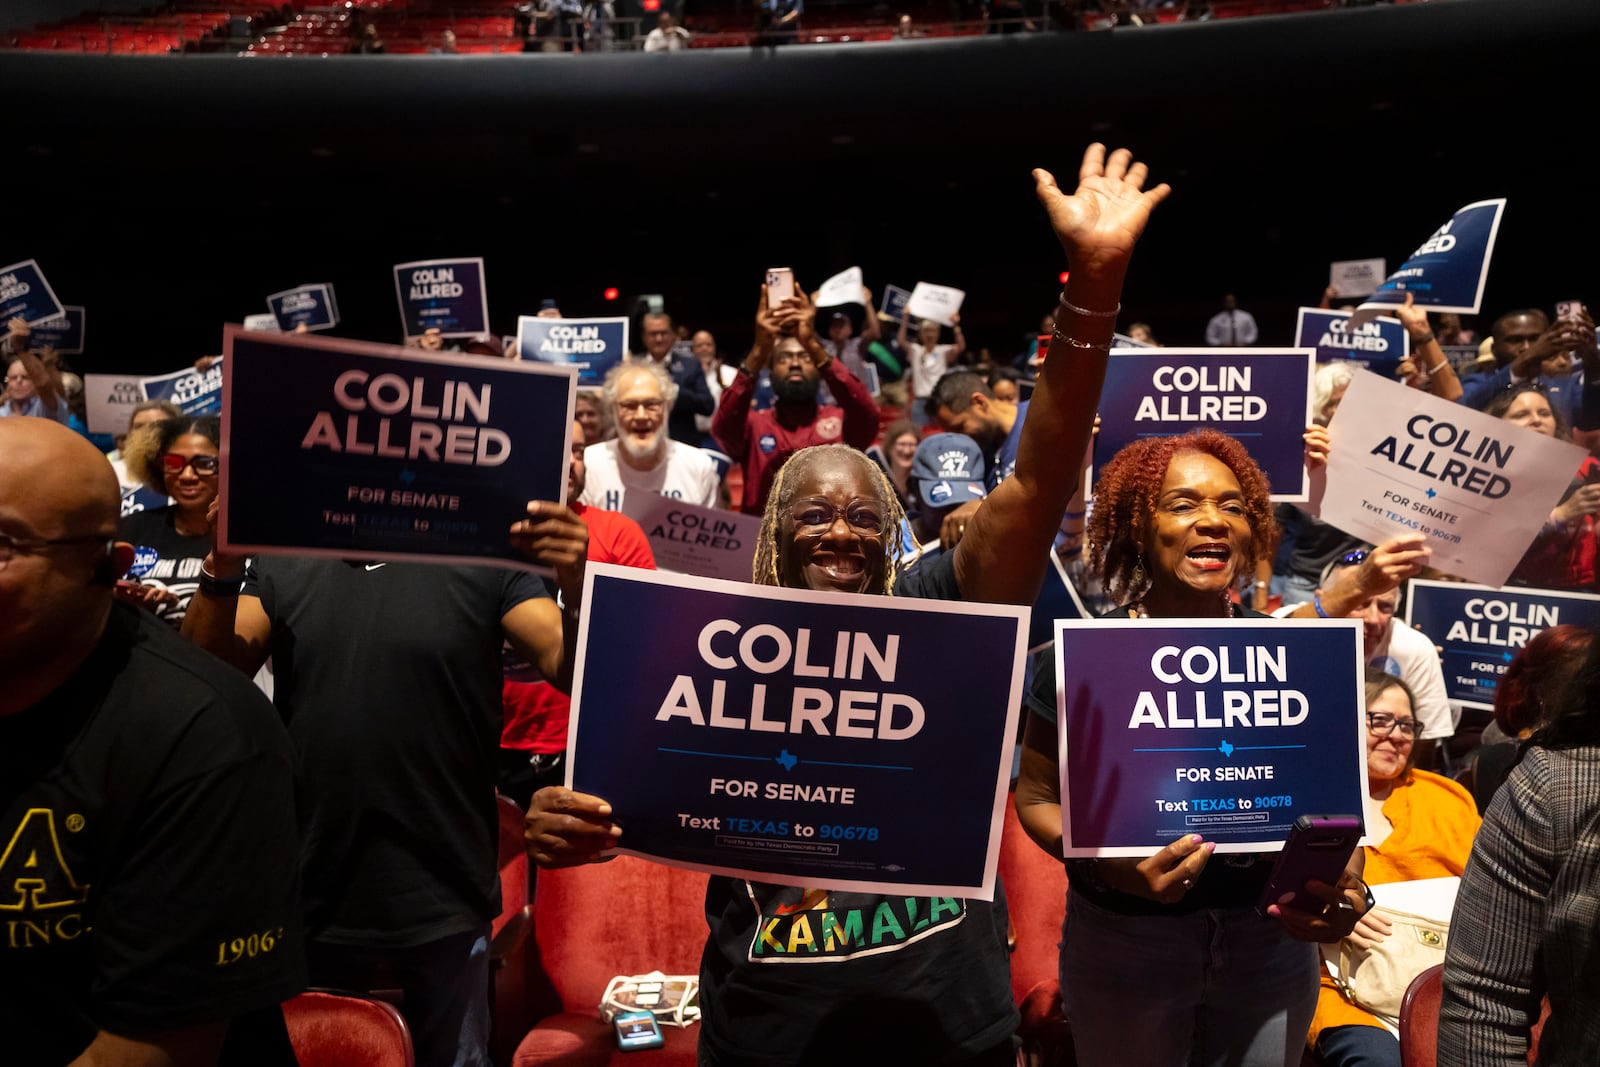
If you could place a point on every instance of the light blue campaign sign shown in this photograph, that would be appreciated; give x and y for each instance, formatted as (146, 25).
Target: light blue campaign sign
(594, 346)
(447, 295)
(64, 334)
(1481, 628)
(392, 453)
(1262, 396)
(1378, 345)
(1448, 271)
(195, 392)
(311, 306)
(862, 743)
(25, 295)
(1227, 729)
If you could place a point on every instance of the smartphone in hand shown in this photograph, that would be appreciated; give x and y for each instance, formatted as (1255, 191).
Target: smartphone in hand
(1318, 849)
(780, 286)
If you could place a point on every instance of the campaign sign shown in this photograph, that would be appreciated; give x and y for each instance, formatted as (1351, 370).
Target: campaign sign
(1058, 599)
(195, 392)
(137, 498)
(64, 334)
(311, 306)
(1448, 271)
(447, 295)
(1479, 487)
(689, 539)
(940, 303)
(894, 305)
(1481, 629)
(1379, 345)
(265, 323)
(1262, 396)
(25, 295)
(109, 400)
(1355, 277)
(861, 743)
(842, 288)
(1230, 730)
(384, 452)
(593, 346)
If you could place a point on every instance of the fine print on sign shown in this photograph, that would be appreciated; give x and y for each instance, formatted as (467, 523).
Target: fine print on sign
(796, 737)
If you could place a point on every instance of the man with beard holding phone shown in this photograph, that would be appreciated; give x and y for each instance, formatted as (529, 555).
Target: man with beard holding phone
(786, 338)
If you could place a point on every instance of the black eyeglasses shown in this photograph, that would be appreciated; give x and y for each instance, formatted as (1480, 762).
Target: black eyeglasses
(11, 546)
(1383, 724)
(173, 463)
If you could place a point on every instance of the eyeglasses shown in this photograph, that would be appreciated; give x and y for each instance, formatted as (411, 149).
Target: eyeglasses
(862, 516)
(173, 464)
(11, 546)
(1353, 559)
(1383, 724)
(653, 407)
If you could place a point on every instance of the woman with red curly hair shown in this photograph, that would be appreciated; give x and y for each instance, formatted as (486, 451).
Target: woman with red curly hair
(1164, 961)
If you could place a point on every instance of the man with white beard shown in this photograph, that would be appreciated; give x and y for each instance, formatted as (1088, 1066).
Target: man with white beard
(643, 458)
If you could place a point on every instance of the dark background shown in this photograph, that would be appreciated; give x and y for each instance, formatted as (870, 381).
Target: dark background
(171, 194)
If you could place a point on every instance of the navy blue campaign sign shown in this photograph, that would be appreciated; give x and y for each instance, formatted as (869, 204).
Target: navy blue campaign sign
(1262, 396)
(64, 334)
(858, 742)
(1057, 599)
(593, 346)
(447, 295)
(1482, 628)
(311, 306)
(381, 452)
(195, 392)
(1228, 729)
(1448, 271)
(1378, 345)
(25, 295)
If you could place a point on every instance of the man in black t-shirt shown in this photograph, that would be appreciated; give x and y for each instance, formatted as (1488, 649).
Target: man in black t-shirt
(149, 897)
(388, 678)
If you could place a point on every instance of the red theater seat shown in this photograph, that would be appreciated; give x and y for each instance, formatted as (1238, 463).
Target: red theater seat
(1036, 898)
(508, 937)
(591, 923)
(1419, 1019)
(341, 1030)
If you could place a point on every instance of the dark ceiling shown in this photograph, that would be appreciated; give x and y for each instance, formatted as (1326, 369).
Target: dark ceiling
(171, 194)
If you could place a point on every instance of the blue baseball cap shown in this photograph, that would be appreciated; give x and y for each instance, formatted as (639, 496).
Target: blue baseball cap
(948, 470)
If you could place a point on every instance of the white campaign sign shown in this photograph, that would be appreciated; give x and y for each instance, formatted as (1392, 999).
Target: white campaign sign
(842, 288)
(1479, 487)
(109, 400)
(1356, 277)
(688, 539)
(267, 323)
(936, 302)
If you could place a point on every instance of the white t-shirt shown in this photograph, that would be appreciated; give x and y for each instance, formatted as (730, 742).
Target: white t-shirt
(927, 366)
(684, 473)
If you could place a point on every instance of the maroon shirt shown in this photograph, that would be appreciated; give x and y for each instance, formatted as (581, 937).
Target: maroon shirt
(764, 440)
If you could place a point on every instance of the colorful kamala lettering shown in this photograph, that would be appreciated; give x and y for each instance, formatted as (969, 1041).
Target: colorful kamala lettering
(824, 924)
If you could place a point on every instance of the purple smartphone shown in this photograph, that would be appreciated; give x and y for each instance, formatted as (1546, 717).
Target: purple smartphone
(1318, 848)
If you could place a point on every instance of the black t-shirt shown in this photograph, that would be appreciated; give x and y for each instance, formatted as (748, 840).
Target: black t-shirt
(1316, 545)
(1232, 880)
(148, 877)
(388, 677)
(795, 975)
(165, 558)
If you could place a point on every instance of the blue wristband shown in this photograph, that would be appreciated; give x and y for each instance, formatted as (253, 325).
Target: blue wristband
(1316, 602)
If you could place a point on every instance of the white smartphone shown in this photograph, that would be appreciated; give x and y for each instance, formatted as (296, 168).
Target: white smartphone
(780, 285)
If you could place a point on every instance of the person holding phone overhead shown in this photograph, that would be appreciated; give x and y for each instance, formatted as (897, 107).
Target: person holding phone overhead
(1165, 961)
(878, 984)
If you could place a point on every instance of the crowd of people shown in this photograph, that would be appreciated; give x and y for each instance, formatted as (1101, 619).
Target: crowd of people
(185, 853)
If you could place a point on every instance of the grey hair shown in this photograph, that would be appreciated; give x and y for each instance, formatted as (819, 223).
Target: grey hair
(1329, 377)
(669, 388)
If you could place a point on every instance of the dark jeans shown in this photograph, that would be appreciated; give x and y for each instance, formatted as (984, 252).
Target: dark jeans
(445, 985)
(1358, 1046)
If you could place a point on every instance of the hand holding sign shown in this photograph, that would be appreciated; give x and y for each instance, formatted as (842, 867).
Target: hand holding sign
(1164, 877)
(554, 536)
(564, 828)
(1101, 221)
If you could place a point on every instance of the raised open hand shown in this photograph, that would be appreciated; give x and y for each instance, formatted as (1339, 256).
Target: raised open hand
(1101, 221)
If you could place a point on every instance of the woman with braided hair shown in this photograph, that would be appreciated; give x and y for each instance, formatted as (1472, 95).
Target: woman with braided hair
(898, 979)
